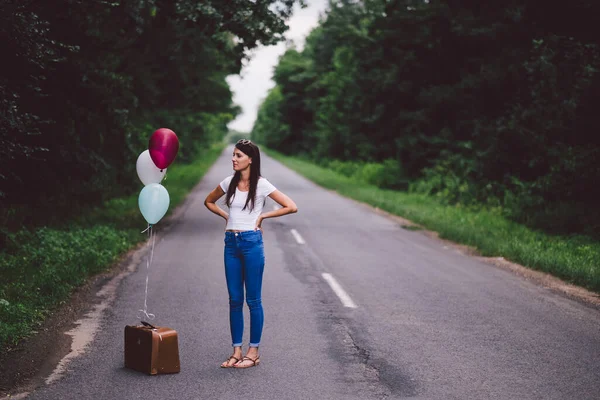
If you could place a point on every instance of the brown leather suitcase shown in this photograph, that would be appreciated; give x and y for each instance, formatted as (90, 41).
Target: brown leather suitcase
(150, 349)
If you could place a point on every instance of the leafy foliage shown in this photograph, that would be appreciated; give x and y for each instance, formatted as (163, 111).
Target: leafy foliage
(489, 105)
(86, 83)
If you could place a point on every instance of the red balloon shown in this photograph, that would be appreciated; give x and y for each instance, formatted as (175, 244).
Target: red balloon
(163, 147)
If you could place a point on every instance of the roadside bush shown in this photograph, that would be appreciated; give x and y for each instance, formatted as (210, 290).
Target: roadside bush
(387, 175)
(450, 181)
(42, 267)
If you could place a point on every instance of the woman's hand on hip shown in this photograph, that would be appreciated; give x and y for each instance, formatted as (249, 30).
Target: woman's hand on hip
(259, 221)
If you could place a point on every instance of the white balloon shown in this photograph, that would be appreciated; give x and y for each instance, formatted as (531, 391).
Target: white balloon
(147, 171)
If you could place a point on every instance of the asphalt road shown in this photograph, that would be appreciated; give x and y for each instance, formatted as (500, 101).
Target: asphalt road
(429, 322)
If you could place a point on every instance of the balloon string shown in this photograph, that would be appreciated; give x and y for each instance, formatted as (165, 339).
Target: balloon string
(153, 241)
(148, 262)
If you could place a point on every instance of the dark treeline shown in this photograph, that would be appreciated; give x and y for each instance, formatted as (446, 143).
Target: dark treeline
(476, 102)
(84, 83)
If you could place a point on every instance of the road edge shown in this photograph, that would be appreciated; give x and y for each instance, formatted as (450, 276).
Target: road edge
(540, 278)
(37, 358)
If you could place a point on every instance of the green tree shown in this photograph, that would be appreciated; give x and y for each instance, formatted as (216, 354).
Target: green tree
(88, 82)
(478, 104)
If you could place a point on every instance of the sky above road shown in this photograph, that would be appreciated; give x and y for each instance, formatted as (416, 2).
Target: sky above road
(251, 87)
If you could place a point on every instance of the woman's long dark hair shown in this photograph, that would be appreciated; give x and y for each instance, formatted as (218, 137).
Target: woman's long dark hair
(252, 151)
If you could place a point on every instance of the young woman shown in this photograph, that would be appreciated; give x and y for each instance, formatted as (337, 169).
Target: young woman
(246, 192)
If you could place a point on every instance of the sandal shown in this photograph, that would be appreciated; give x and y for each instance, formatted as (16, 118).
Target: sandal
(255, 362)
(226, 364)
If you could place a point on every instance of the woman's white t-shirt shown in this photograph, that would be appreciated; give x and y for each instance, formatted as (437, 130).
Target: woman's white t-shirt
(246, 220)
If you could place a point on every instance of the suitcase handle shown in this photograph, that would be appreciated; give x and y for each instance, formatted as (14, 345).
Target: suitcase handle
(148, 325)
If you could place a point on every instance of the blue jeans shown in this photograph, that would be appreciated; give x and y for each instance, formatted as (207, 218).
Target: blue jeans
(244, 265)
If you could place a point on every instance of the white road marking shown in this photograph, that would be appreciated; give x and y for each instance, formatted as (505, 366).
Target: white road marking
(297, 237)
(341, 293)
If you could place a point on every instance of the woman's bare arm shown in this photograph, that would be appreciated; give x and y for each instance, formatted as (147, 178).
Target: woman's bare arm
(287, 207)
(211, 201)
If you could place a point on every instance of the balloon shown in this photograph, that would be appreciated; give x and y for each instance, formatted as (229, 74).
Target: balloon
(147, 171)
(153, 202)
(163, 147)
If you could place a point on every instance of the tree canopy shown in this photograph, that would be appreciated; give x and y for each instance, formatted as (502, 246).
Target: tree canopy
(85, 83)
(477, 103)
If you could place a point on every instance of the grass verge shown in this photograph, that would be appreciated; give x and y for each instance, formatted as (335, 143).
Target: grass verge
(575, 259)
(41, 267)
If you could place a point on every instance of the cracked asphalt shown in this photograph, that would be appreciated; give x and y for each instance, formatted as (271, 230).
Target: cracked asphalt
(430, 322)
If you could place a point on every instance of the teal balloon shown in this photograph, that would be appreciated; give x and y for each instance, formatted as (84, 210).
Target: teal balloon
(153, 202)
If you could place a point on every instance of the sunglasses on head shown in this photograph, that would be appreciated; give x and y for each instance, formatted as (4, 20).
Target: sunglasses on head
(244, 141)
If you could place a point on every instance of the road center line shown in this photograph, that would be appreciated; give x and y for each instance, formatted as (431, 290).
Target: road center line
(297, 237)
(339, 291)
